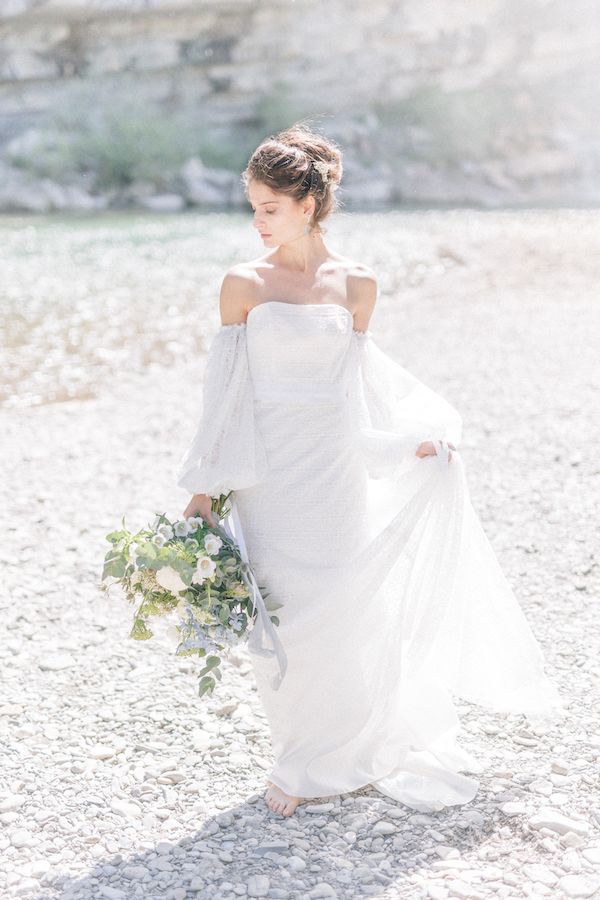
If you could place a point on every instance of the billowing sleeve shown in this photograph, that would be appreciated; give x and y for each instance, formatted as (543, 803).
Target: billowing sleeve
(226, 452)
(394, 411)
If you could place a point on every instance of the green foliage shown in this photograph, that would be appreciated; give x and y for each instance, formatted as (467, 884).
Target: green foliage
(118, 137)
(206, 685)
(446, 126)
(140, 630)
(115, 135)
(115, 565)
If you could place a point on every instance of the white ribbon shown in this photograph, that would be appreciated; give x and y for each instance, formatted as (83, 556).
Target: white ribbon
(262, 624)
(442, 452)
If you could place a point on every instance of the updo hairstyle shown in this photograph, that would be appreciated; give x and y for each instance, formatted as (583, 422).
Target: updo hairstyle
(298, 162)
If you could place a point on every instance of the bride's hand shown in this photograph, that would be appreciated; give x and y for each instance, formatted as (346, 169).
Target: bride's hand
(200, 505)
(426, 448)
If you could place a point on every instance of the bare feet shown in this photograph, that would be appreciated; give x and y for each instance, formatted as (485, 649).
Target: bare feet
(278, 801)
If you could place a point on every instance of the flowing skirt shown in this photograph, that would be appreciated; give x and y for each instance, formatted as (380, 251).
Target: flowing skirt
(346, 556)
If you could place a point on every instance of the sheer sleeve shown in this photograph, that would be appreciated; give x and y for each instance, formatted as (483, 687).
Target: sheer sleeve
(455, 611)
(226, 452)
(394, 411)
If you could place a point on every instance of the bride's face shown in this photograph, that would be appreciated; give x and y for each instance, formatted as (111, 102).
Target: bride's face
(278, 218)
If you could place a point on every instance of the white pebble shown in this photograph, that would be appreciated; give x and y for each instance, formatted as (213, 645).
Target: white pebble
(56, 662)
(258, 886)
(577, 886)
(101, 751)
(21, 838)
(556, 821)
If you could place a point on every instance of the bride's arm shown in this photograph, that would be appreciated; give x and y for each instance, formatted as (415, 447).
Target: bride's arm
(386, 386)
(226, 452)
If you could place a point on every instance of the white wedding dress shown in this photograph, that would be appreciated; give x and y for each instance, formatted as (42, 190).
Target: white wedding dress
(393, 599)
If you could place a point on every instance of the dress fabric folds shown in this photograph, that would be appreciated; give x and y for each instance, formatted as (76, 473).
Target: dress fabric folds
(392, 597)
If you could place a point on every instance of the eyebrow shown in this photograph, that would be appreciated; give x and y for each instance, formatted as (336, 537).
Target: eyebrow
(264, 203)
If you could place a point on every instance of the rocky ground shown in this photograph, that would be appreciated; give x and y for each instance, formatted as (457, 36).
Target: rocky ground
(117, 780)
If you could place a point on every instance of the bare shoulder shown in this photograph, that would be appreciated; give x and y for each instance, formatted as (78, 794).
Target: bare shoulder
(361, 288)
(238, 292)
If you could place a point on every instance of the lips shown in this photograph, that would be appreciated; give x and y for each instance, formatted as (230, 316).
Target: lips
(265, 235)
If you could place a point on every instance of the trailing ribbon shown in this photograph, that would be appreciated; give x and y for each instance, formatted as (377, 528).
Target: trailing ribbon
(262, 624)
(442, 452)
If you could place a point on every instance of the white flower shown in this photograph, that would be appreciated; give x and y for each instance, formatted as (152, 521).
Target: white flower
(173, 635)
(159, 539)
(205, 568)
(155, 523)
(212, 544)
(182, 528)
(166, 531)
(195, 521)
(168, 578)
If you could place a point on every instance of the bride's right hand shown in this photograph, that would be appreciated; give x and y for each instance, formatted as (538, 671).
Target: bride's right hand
(200, 505)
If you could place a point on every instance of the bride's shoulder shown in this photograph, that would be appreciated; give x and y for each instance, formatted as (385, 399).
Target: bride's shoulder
(359, 276)
(239, 289)
(361, 291)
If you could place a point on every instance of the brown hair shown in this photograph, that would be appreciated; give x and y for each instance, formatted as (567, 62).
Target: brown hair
(285, 162)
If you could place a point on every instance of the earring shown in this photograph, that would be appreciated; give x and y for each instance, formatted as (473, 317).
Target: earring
(307, 228)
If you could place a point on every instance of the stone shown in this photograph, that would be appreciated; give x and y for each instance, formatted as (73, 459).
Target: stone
(56, 662)
(556, 821)
(383, 827)
(258, 886)
(578, 886)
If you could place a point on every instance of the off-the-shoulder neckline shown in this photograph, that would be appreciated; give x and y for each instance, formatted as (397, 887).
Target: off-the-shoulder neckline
(297, 306)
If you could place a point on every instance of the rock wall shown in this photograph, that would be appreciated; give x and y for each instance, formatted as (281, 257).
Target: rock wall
(489, 103)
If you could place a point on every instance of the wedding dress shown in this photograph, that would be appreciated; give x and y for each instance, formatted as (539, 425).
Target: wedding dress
(393, 598)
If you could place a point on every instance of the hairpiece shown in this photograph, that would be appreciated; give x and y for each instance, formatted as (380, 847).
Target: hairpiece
(323, 169)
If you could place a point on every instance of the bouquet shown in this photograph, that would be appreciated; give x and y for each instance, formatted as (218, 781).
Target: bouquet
(192, 569)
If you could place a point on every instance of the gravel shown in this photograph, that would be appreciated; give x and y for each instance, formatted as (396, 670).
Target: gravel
(118, 781)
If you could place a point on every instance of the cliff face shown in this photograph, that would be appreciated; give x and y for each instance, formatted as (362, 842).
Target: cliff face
(488, 102)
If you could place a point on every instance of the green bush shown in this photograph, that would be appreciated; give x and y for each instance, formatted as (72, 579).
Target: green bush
(120, 138)
(447, 126)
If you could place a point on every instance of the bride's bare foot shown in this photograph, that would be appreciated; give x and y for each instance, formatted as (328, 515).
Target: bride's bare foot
(278, 801)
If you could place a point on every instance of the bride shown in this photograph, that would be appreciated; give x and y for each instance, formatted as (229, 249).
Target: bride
(350, 501)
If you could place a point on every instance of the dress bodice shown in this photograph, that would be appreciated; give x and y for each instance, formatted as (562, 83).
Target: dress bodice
(298, 353)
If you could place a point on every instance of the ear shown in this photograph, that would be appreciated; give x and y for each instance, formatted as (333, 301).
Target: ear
(309, 206)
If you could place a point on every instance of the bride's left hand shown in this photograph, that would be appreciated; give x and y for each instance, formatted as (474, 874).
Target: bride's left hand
(426, 448)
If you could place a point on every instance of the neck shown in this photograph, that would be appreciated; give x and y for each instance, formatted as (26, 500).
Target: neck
(304, 253)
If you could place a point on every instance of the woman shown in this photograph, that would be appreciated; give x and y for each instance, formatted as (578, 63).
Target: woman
(350, 499)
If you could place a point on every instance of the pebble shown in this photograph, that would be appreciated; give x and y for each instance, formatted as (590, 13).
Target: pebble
(318, 807)
(123, 808)
(513, 809)
(322, 889)
(101, 751)
(11, 803)
(578, 886)
(258, 886)
(56, 662)
(592, 854)
(22, 838)
(296, 864)
(384, 827)
(556, 821)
